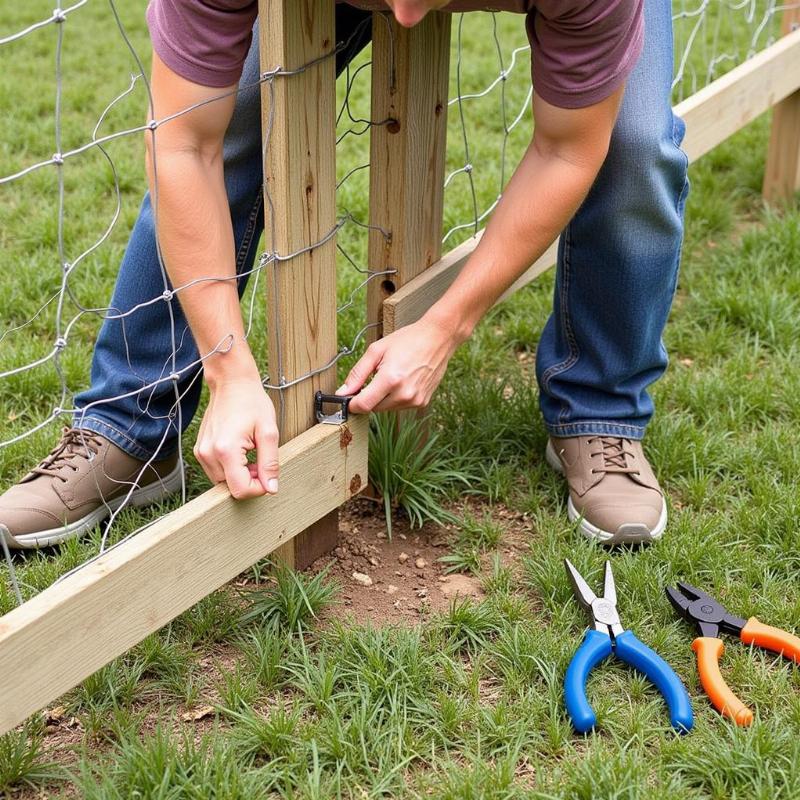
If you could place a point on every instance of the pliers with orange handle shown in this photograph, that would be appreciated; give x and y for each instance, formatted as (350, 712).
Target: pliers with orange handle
(712, 618)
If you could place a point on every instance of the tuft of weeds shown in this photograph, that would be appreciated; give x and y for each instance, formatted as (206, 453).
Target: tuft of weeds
(214, 619)
(21, 764)
(475, 536)
(268, 737)
(463, 559)
(290, 602)
(469, 625)
(264, 652)
(164, 766)
(409, 469)
(238, 689)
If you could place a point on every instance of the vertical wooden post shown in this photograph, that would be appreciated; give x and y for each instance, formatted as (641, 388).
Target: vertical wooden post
(410, 69)
(299, 127)
(782, 173)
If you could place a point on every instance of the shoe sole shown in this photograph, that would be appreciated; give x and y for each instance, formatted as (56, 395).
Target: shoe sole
(633, 533)
(147, 495)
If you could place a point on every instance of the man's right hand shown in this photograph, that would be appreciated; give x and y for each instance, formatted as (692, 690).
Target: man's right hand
(239, 418)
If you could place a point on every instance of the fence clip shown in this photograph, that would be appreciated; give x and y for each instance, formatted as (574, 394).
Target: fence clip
(338, 417)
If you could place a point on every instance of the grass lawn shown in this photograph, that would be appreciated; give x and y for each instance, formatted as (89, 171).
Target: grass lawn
(312, 686)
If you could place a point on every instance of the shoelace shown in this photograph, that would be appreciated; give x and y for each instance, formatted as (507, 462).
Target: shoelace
(75, 444)
(615, 456)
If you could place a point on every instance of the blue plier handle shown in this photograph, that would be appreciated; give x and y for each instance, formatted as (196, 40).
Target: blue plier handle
(607, 637)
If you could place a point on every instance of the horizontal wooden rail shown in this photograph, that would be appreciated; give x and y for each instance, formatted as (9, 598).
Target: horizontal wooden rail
(712, 115)
(61, 636)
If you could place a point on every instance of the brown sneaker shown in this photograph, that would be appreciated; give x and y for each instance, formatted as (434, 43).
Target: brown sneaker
(612, 489)
(78, 485)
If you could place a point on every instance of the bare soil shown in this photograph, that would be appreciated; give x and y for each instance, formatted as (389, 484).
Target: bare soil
(385, 581)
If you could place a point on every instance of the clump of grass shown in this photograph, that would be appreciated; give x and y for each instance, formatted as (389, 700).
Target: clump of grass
(264, 652)
(214, 619)
(164, 766)
(290, 601)
(462, 559)
(483, 533)
(20, 761)
(469, 625)
(500, 581)
(475, 536)
(113, 686)
(238, 689)
(265, 737)
(410, 470)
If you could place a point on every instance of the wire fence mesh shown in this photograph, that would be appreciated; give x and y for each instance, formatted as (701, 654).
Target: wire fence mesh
(73, 89)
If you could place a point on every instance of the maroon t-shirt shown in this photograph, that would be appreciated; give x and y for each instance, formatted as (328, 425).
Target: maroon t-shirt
(582, 50)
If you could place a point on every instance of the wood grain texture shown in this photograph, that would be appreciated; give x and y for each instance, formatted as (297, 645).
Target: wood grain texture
(61, 636)
(712, 115)
(782, 170)
(410, 69)
(299, 125)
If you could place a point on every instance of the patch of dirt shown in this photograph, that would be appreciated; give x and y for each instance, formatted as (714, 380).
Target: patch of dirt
(388, 582)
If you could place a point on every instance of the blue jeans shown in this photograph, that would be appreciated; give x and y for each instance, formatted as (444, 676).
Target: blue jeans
(599, 351)
(618, 262)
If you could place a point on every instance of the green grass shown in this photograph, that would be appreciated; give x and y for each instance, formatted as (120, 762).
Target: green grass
(467, 704)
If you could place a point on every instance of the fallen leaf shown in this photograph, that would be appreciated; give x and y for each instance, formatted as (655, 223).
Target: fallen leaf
(198, 714)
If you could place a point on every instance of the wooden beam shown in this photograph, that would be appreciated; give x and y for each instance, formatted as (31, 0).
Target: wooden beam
(782, 170)
(712, 115)
(410, 69)
(61, 636)
(725, 106)
(299, 125)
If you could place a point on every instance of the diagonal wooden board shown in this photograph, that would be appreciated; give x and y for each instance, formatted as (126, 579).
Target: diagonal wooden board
(712, 115)
(63, 635)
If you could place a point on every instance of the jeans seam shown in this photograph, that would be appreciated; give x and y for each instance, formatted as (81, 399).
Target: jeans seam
(679, 205)
(247, 237)
(574, 352)
(596, 428)
(595, 422)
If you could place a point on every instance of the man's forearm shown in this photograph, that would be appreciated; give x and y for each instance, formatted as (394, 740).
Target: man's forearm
(555, 174)
(541, 197)
(196, 238)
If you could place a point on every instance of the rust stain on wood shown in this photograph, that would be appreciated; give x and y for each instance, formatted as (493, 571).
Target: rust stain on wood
(355, 484)
(345, 437)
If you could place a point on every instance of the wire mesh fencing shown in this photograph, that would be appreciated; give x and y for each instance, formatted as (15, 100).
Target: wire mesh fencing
(74, 85)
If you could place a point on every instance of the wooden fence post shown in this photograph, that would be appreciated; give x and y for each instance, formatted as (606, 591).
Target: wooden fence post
(782, 172)
(299, 126)
(410, 70)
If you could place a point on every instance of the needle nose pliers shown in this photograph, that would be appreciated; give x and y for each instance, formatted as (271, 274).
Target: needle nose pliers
(607, 636)
(712, 618)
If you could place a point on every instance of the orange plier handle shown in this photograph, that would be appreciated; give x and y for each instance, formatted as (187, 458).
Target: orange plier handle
(709, 650)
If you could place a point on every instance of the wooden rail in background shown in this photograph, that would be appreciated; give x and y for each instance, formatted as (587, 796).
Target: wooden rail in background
(782, 172)
(712, 115)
